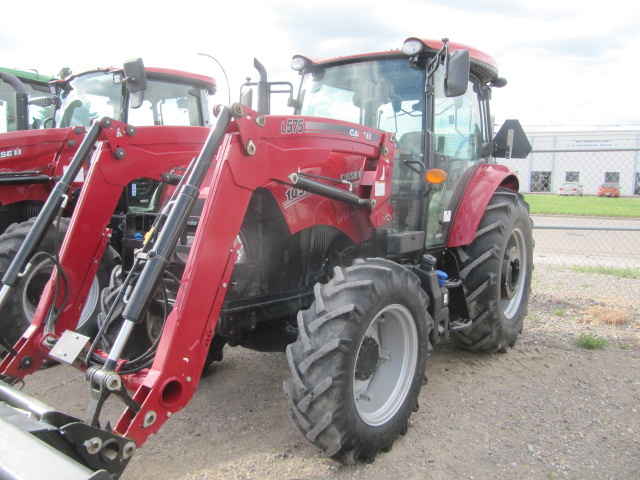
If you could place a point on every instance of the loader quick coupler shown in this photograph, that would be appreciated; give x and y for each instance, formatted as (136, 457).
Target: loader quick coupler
(80, 451)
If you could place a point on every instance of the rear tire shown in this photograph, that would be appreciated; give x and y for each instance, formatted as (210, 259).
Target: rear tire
(496, 273)
(22, 301)
(358, 363)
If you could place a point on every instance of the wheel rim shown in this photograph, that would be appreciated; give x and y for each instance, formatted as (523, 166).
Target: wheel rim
(34, 284)
(514, 268)
(385, 366)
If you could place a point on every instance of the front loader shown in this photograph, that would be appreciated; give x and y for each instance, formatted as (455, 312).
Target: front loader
(31, 162)
(353, 235)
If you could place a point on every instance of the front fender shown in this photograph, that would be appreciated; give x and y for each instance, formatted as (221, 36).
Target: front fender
(483, 183)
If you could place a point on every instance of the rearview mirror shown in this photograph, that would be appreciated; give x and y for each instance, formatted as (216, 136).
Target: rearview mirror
(135, 79)
(456, 74)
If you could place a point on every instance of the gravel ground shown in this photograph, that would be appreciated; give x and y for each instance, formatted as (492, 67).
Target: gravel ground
(547, 409)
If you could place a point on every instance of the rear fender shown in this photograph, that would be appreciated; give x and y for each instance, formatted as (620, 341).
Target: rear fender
(481, 187)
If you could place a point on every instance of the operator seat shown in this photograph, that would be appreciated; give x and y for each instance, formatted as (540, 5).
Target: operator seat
(411, 142)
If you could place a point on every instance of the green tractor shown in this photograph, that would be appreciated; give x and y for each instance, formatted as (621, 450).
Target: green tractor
(25, 100)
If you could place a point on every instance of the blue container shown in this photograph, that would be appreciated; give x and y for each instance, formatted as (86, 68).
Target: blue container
(442, 277)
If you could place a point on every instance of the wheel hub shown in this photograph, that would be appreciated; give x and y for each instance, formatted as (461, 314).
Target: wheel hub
(511, 273)
(368, 359)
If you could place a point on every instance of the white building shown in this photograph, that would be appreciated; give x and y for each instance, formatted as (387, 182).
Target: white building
(590, 157)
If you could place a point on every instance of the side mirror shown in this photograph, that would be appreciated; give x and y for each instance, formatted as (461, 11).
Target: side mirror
(456, 74)
(511, 141)
(135, 79)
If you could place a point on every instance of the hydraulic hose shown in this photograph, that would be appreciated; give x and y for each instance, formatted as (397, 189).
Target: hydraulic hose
(168, 237)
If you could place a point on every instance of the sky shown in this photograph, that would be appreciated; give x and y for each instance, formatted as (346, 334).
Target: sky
(568, 63)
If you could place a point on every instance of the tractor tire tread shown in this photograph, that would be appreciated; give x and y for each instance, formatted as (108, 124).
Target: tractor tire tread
(326, 336)
(481, 264)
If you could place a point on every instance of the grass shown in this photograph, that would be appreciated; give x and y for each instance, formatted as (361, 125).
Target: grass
(559, 313)
(599, 315)
(590, 342)
(616, 272)
(584, 206)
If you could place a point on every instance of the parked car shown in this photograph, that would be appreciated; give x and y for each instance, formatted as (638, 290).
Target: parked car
(609, 190)
(570, 188)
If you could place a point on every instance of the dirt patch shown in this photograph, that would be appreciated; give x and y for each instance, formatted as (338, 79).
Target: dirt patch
(600, 315)
(546, 409)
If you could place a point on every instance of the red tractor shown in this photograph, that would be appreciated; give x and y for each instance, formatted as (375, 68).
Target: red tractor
(354, 235)
(31, 162)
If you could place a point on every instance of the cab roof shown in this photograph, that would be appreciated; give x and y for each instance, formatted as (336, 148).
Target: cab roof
(28, 75)
(155, 73)
(482, 65)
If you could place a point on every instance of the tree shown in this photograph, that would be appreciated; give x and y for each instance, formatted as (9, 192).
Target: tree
(64, 72)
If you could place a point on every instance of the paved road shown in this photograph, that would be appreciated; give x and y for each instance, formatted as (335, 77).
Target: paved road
(608, 247)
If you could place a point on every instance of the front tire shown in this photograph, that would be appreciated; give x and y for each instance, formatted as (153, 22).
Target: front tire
(496, 273)
(358, 364)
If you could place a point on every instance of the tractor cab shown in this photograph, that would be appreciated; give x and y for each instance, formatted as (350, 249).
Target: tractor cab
(434, 96)
(160, 97)
(25, 100)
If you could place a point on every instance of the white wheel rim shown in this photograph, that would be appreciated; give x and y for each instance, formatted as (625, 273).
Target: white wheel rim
(514, 270)
(379, 397)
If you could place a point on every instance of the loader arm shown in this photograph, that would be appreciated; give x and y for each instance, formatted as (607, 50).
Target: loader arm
(236, 158)
(248, 158)
(150, 152)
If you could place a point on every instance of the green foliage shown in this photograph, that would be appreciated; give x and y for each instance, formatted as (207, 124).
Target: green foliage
(588, 206)
(617, 272)
(64, 72)
(588, 341)
(559, 313)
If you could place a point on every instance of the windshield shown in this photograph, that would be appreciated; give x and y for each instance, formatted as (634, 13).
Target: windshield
(168, 104)
(96, 95)
(90, 96)
(383, 94)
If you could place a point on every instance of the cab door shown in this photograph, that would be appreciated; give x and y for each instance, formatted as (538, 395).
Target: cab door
(459, 141)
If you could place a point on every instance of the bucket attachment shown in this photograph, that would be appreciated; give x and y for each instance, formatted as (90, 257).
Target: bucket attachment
(38, 442)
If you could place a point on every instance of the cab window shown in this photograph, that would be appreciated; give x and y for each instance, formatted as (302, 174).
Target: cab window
(167, 104)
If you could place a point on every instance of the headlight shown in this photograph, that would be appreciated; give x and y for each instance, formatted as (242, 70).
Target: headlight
(299, 63)
(412, 47)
